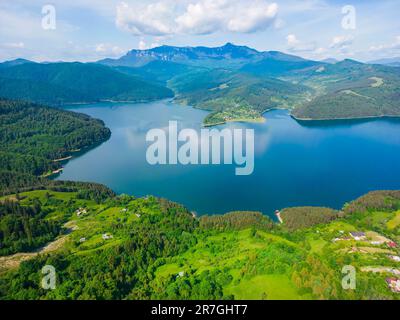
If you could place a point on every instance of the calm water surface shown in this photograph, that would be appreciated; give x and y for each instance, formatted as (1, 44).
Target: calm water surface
(320, 164)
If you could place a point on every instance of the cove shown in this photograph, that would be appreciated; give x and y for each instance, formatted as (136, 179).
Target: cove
(295, 164)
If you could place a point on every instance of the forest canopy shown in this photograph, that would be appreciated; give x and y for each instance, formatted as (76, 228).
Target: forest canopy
(33, 136)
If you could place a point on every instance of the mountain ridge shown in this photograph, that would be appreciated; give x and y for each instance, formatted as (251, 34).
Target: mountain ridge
(137, 58)
(75, 82)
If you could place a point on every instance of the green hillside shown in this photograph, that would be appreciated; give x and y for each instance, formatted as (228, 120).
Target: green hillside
(63, 83)
(350, 89)
(275, 67)
(158, 71)
(147, 248)
(33, 136)
(237, 83)
(233, 96)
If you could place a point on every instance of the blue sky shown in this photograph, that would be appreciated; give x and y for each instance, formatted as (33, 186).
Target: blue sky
(88, 30)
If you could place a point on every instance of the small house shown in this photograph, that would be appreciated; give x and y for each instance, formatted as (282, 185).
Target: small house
(358, 236)
(80, 211)
(278, 215)
(376, 243)
(394, 284)
(395, 258)
(341, 239)
(82, 240)
(107, 236)
(392, 244)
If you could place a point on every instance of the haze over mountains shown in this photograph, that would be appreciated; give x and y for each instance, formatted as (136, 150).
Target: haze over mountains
(394, 62)
(63, 83)
(233, 82)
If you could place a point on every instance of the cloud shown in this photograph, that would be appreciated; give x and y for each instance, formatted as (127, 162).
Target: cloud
(153, 19)
(295, 45)
(391, 48)
(106, 49)
(320, 51)
(342, 42)
(200, 17)
(14, 45)
(144, 46)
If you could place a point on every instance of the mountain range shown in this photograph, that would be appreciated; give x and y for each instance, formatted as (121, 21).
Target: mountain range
(233, 82)
(393, 62)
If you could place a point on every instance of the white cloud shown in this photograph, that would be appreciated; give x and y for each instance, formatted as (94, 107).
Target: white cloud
(320, 51)
(106, 49)
(144, 46)
(295, 45)
(292, 40)
(201, 17)
(391, 48)
(14, 45)
(342, 42)
(153, 19)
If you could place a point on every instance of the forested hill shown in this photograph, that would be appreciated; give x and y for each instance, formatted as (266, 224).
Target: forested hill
(239, 83)
(63, 83)
(33, 136)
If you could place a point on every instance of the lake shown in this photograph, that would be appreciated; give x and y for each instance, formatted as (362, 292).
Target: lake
(296, 164)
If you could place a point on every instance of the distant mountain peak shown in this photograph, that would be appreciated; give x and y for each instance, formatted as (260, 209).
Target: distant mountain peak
(17, 61)
(387, 61)
(350, 61)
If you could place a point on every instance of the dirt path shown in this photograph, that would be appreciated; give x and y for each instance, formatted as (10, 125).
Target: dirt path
(13, 261)
(379, 269)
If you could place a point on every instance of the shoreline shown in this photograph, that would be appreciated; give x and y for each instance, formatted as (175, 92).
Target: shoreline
(239, 120)
(62, 159)
(83, 103)
(261, 120)
(343, 119)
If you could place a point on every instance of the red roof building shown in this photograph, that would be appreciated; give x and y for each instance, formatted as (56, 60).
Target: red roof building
(392, 244)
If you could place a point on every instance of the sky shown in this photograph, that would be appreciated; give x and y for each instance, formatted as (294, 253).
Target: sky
(89, 30)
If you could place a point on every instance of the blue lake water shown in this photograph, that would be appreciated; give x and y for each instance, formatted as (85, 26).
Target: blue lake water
(319, 164)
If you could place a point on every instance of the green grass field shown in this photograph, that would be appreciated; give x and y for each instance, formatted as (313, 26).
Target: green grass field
(395, 222)
(270, 287)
